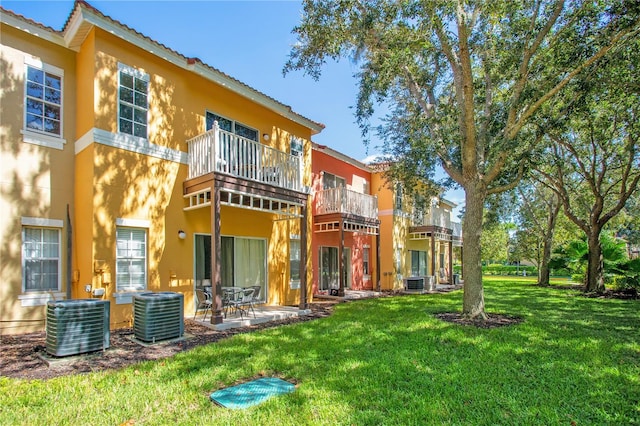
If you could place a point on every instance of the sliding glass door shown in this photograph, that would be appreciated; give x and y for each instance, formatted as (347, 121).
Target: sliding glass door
(243, 262)
(329, 268)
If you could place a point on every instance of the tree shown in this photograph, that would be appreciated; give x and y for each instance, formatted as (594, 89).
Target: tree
(594, 152)
(461, 80)
(539, 210)
(495, 242)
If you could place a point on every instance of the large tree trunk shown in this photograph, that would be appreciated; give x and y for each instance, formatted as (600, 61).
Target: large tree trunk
(554, 209)
(595, 266)
(473, 300)
(545, 272)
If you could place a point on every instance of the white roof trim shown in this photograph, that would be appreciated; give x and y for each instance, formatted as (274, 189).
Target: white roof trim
(47, 34)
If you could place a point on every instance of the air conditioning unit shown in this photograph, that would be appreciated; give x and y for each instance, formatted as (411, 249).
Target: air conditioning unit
(77, 326)
(158, 316)
(414, 283)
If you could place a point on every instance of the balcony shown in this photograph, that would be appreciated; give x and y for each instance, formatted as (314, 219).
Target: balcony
(220, 151)
(436, 217)
(345, 201)
(457, 233)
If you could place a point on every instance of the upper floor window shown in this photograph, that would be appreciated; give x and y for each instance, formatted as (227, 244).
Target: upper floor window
(296, 146)
(398, 196)
(43, 99)
(133, 90)
(231, 126)
(330, 180)
(419, 211)
(41, 259)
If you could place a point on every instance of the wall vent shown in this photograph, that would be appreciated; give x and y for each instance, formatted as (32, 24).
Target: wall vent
(77, 326)
(158, 316)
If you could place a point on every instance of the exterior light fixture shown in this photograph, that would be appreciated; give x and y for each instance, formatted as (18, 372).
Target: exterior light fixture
(182, 235)
(266, 137)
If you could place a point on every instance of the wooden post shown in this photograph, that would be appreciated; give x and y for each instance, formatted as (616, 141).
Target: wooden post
(303, 258)
(341, 262)
(450, 263)
(433, 258)
(216, 255)
(378, 273)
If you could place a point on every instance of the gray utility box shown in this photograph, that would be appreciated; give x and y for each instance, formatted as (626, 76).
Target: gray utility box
(158, 316)
(77, 326)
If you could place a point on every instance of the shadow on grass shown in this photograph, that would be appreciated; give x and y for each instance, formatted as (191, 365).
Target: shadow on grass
(390, 360)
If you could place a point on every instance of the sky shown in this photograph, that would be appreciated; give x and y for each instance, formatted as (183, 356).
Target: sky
(248, 40)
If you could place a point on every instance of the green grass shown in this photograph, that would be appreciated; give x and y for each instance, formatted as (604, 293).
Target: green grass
(382, 361)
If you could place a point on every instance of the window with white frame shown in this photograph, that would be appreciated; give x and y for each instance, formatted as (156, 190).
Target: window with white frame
(365, 260)
(398, 196)
(41, 261)
(296, 146)
(418, 263)
(330, 180)
(294, 263)
(131, 259)
(230, 126)
(133, 107)
(43, 99)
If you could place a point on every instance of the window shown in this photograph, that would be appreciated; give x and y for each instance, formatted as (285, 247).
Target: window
(231, 126)
(131, 259)
(294, 263)
(398, 196)
(43, 99)
(365, 261)
(296, 146)
(332, 181)
(132, 101)
(418, 263)
(41, 259)
(418, 211)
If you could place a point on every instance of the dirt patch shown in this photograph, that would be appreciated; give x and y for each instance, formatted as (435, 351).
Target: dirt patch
(492, 320)
(24, 356)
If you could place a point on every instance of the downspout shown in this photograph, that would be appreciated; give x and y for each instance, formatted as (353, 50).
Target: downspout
(69, 253)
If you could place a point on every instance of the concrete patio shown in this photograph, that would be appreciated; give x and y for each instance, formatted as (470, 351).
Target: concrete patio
(263, 313)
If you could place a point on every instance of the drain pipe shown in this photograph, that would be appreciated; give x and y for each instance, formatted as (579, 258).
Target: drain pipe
(69, 251)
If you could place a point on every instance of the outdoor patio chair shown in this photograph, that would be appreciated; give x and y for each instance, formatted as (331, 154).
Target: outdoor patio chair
(246, 302)
(256, 295)
(203, 301)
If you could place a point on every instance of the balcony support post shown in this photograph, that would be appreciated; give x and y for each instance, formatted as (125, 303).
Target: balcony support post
(450, 277)
(433, 257)
(216, 255)
(377, 270)
(303, 257)
(342, 262)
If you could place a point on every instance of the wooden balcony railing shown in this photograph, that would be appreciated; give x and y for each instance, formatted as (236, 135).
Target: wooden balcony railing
(342, 200)
(224, 152)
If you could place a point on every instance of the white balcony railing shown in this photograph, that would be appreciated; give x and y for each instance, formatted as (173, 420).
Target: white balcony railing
(342, 200)
(436, 216)
(457, 229)
(224, 152)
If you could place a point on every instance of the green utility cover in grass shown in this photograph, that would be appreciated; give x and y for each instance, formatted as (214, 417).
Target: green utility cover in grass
(251, 393)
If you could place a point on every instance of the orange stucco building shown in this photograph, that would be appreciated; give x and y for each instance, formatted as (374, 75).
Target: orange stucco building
(128, 167)
(345, 224)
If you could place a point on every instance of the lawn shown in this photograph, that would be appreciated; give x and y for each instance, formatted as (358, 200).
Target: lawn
(573, 360)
